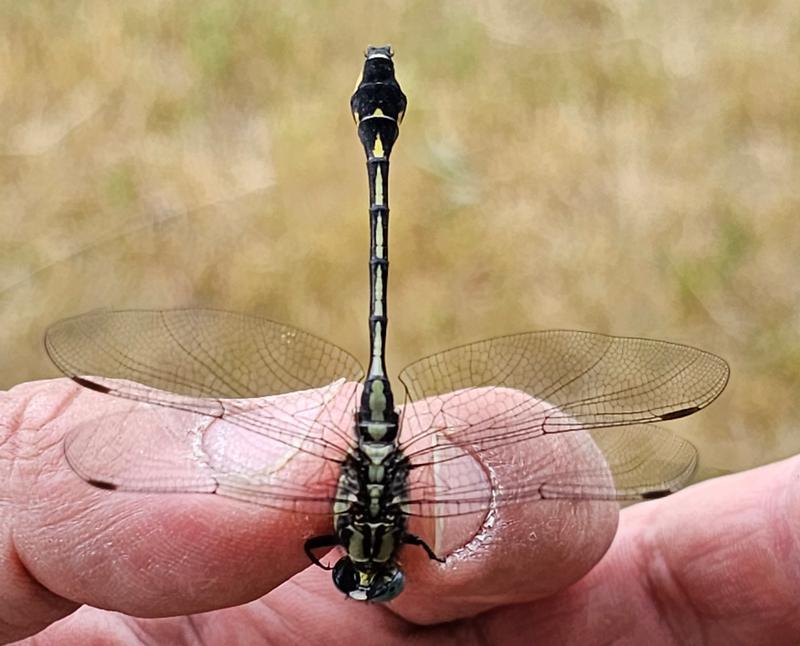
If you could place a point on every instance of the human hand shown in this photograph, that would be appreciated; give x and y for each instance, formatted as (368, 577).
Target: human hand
(717, 563)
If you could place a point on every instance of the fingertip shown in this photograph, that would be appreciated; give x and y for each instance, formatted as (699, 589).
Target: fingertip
(515, 553)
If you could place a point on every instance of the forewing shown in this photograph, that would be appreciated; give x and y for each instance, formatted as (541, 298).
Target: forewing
(573, 381)
(204, 362)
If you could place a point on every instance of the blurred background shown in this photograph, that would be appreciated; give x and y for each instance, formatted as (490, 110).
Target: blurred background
(622, 167)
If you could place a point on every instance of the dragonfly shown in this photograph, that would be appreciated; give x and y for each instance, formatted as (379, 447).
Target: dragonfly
(293, 422)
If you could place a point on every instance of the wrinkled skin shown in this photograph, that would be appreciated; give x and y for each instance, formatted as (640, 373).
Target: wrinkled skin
(718, 563)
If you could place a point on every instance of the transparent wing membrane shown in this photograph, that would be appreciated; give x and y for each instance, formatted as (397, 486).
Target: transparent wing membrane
(634, 463)
(565, 380)
(250, 455)
(197, 353)
(216, 364)
(645, 461)
(262, 412)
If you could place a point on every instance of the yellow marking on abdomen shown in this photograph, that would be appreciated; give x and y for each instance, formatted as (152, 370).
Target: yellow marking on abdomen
(377, 401)
(379, 187)
(379, 237)
(377, 305)
(377, 149)
(376, 369)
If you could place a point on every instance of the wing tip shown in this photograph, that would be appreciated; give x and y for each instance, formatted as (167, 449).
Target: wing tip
(677, 414)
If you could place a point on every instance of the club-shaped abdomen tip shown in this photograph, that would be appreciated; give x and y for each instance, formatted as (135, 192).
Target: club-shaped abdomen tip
(382, 51)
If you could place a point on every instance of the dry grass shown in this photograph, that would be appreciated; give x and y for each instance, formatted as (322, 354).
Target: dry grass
(623, 167)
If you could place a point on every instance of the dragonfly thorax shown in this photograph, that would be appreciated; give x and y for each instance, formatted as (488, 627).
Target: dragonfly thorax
(370, 522)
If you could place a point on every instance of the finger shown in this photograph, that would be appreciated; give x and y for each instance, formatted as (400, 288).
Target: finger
(142, 554)
(719, 560)
(291, 614)
(516, 552)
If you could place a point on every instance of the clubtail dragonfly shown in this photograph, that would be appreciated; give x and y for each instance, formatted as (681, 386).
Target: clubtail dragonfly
(341, 445)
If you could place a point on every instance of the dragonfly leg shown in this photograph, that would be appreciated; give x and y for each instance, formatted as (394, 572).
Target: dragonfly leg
(316, 542)
(413, 539)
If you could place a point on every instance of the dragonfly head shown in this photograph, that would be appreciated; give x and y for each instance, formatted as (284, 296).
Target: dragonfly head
(379, 584)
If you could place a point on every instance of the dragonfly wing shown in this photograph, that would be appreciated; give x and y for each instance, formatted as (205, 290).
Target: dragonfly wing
(161, 450)
(645, 461)
(565, 380)
(204, 362)
(625, 463)
(197, 352)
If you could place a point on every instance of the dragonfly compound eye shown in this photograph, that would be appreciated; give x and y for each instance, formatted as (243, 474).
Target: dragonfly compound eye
(386, 584)
(380, 585)
(345, 576)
